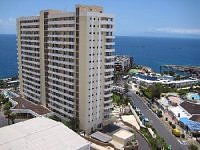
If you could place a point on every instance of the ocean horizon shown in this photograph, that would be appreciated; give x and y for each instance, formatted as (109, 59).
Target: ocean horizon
(146, 51)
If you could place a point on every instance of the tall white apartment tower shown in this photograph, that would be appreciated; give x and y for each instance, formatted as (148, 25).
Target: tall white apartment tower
(66, 63)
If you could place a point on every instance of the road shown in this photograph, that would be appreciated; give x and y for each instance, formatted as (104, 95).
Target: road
(160, 128)
(3, 120)
(143, 145)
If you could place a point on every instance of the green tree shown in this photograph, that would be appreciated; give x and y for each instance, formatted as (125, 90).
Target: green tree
(7, 106)
(178, 77)
(156, 91)
(74, 123)
(14, 78)
(12, 117)
(3, 100)
(126, 87)
(7, 114)
(126, 101)
(117, 98)
(3, 84)
(193, 147)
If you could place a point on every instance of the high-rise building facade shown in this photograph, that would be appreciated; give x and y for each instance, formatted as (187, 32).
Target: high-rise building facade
(66, 63)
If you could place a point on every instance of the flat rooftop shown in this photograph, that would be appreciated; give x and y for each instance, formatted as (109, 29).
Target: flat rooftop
(25, 104)
(175, 99)
(131, 120)
(123, 134)
(179, 112)
(101, 137)
(40, 133)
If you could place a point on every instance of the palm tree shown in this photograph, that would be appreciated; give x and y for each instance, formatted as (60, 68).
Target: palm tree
(7, 115)
(12, 117)
(126, 87)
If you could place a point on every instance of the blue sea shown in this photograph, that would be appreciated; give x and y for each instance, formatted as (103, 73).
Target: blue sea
(147, 51)
(8, 56)
(154, 52)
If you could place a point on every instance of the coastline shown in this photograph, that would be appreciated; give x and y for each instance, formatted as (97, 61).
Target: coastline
(146, 51)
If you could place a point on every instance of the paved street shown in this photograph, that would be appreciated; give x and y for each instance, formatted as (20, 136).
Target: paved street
(143, 145)
(111, 129)
(161, 129)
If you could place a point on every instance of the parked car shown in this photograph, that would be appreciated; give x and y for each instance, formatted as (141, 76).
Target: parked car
(141, 117)
(176, 132)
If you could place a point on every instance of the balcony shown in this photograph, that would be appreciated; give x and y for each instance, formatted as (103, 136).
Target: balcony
(108, 95)
(110, 50)
(105, 22)
(110, 43)
(106, 29)
(61, 22)
(30, 24)
(61, 35)
(60, 42)
(62, 29)
(108, 101)
(108, 107)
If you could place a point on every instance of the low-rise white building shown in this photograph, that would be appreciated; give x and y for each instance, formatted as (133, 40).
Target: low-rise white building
(173, 83)
(121, 139)
(41, 133)
(179, 112)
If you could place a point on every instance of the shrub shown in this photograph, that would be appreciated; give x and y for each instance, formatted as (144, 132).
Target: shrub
(193, 147)
(166, 119)
(170, 123)
(183, 136)
(173, 126)
(160, 115)
(7, 106)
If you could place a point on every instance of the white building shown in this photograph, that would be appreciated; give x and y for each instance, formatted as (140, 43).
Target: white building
(66, 63)
(42, 134)
(123, 63)
(166, 81)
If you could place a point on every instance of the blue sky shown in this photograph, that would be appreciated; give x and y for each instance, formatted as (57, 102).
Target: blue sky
(132, 17)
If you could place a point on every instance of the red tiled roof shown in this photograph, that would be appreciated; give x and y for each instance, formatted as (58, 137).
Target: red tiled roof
(25, 104)
(190, 107)
(195, 118)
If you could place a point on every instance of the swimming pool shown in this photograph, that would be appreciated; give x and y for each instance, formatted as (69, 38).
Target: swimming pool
(193, 96)
(147, 77)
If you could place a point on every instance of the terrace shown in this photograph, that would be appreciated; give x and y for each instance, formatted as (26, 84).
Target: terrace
(25, 106)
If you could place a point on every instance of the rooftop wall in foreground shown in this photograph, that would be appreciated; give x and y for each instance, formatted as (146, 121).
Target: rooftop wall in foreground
(40, 133)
